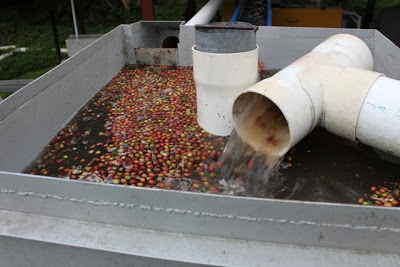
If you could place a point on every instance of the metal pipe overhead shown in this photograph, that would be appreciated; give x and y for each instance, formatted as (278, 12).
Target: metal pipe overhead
(205, 14)
(74, 19)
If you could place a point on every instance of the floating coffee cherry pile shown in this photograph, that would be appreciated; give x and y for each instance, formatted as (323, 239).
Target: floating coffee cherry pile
(139, 130)
(387, 195)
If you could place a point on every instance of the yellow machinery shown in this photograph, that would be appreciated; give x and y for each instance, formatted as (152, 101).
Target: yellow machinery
(307, 17)
(305, 14)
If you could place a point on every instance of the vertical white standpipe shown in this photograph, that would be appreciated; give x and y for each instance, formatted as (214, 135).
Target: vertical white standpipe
(220, 78)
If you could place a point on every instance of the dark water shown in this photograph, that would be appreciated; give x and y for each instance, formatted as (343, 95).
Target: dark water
(322, 167)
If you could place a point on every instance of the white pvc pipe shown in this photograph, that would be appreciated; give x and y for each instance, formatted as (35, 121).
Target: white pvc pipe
(379, 121)
(328, 86)
(297, 93)
(205, 14)
(220, 78)
(19, 49)
(5, 47)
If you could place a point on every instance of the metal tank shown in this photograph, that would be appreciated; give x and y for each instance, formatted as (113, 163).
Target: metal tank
(46, 221)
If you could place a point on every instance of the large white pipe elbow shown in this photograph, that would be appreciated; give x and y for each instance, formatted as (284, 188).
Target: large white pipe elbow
(329, 86)
(297, 93)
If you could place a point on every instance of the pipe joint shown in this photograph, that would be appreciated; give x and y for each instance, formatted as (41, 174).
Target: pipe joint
(344, 92)
(331, 86)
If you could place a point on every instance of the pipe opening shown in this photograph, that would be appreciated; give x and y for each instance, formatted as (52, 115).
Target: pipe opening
(170, 42)
(261, 124)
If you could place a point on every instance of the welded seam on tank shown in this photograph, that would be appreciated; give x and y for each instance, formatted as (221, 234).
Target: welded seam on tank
(202, 213)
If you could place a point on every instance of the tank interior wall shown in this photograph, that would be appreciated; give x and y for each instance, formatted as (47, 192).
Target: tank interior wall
(151, 34)
(148, 34)
(280, 46)
(34, 114)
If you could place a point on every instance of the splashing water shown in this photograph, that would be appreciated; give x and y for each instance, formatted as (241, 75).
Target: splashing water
(250, 162)
(246, 172)
(249, 165)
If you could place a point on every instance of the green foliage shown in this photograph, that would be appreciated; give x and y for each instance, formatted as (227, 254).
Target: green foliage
(106, 14)
(174, 9)
(5, 51)
(34, 74)
(20, 63)
(170, 10)
(360, 6)
(39, 36)
(4, 95)
(14, 31)
(34, 31)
